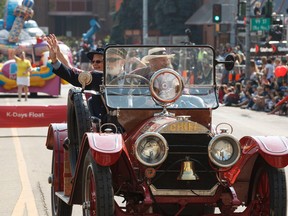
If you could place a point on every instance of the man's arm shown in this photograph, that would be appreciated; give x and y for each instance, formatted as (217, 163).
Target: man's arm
(70, 76)
(54, 51)
(66, 73)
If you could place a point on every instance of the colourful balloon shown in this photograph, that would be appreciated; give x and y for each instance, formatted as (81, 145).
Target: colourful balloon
(280, 71)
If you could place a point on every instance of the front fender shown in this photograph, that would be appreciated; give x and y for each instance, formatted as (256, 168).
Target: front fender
(106, 148)
(273, 149)
(56, 135)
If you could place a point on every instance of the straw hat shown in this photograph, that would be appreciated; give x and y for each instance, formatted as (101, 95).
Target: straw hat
(157, 52)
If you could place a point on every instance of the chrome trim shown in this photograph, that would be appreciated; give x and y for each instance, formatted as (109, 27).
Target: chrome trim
(187, 192)
(236, 154)
(141, 138)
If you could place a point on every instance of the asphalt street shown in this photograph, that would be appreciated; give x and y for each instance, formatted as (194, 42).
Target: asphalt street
(25, 163)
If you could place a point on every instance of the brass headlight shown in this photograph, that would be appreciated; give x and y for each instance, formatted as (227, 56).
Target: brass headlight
(224, 150)
(151, 149)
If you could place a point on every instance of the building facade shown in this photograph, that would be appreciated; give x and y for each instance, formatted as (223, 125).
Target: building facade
(72, 17)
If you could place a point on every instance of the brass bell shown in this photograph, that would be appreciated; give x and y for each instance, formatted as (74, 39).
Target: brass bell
(187, 172)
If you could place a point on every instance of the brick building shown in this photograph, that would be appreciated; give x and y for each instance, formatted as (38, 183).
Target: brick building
(71, 17)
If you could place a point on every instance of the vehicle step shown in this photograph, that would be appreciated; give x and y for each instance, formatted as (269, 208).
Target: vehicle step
(63, 197)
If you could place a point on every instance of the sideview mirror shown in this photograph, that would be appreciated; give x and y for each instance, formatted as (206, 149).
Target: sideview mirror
(229, 62)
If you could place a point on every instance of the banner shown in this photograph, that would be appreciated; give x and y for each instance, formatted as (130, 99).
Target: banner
(266, 49)
(31, 116)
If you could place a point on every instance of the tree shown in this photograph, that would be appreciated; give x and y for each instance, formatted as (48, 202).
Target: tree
(2, 8)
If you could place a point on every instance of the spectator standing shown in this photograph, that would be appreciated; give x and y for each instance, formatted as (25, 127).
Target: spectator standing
(254, 77)
(269, 70)
(23, 75)
(83, 59)
(257, 8)
(279, 80)
(204, 75)
(225, 73)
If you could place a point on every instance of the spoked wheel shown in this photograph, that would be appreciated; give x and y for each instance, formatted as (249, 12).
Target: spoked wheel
(269, 192)
(78, 122)
(97, 190)
(59, 207)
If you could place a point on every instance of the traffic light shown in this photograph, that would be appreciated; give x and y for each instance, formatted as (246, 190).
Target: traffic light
(242, 9)
(217, 13)
(268, 8)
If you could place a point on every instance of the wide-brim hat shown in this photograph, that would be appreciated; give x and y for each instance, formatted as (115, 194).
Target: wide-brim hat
(157, 52)
(99, 51)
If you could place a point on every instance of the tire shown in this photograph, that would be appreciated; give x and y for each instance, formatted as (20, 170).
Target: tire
(269, 191)
(59, 207)
(78, 122)
(97, 190)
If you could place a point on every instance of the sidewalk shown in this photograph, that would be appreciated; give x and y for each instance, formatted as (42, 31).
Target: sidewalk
(10, 99)
(37, 111)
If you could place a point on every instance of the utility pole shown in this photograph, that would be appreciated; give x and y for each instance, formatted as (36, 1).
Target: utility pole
(233, 24)
(247, 40)
(145, 21)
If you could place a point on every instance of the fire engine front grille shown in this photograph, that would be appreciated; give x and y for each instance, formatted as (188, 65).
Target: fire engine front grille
(182, 146)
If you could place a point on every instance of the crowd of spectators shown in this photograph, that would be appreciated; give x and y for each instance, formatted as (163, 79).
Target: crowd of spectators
(264, 90)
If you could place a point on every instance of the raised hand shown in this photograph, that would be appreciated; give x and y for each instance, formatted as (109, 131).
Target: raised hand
(53, 47)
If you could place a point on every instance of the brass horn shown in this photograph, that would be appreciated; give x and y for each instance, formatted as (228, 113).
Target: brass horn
(187, 172)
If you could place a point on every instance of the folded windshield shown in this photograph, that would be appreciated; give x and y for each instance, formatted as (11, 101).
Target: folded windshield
(129, 72)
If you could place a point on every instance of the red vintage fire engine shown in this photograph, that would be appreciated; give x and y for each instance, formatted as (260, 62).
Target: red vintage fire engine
(156, 149)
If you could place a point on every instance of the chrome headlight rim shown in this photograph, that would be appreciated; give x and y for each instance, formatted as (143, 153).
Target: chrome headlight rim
(235, 144)
(158, 98)
(164, 148)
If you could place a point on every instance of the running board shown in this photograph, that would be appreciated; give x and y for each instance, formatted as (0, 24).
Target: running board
(63, 197)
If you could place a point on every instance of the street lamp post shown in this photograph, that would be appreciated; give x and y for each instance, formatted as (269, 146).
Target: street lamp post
(247, 40)
(145, 21)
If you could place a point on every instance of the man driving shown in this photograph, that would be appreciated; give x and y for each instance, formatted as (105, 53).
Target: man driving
(157, 59)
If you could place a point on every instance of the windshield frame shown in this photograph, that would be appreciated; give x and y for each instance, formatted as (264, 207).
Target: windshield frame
(209, 89)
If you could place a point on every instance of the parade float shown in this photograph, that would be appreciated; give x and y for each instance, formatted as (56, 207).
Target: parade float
(20, 33)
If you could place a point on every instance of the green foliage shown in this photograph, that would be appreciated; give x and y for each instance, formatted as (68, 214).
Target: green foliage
(2, 7)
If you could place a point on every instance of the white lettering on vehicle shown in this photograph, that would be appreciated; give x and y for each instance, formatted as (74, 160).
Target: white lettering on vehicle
(24, 115)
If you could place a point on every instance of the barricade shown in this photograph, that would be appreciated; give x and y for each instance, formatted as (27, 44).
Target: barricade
(31, 116)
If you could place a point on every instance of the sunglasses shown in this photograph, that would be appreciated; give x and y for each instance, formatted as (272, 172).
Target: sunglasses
(113, 59)
(97, 61)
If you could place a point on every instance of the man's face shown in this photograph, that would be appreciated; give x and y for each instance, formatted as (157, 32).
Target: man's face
(115, 64)
(22, 55)
(159, 63)
(97, 62)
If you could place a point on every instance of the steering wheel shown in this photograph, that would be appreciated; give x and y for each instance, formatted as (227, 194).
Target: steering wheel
(130, 79)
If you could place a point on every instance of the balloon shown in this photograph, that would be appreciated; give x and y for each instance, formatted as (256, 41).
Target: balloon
(280, 71)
